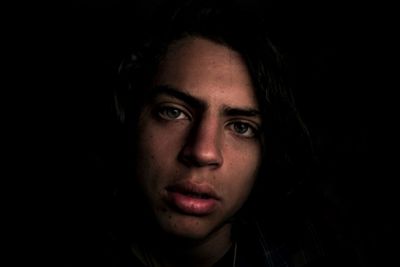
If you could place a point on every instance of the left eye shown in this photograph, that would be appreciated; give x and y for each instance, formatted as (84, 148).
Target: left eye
(171, 113)
(243, 129)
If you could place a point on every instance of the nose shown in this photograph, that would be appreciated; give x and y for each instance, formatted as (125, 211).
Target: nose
(202, 147)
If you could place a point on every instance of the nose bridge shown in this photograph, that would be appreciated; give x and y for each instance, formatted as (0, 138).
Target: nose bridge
(203, 145)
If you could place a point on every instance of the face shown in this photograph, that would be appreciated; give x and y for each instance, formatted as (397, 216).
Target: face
(199, 148)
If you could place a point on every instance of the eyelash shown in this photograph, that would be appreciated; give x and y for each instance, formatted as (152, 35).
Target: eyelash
(164, 113)
(251, 131)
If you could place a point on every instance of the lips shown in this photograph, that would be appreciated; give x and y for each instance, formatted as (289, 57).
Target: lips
(192, 199)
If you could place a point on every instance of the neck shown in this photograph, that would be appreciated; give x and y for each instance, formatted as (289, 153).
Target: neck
(172, 252)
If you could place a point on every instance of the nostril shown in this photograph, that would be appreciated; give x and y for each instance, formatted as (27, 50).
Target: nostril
(195, 158)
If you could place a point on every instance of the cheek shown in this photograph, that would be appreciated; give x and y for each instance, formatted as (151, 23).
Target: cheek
(243, 156)
(243, 166)
(242, 183)
(156, 151)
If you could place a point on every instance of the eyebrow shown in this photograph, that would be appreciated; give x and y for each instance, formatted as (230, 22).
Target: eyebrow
(175, 93)
(198, 103)
(246, 112)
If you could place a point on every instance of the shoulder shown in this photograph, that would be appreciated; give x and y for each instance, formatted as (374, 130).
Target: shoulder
(291, 242)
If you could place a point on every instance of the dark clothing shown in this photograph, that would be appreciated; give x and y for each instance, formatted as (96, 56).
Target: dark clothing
(288, 235)
(255, 247)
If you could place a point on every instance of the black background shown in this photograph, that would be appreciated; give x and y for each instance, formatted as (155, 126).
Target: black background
(340, 56)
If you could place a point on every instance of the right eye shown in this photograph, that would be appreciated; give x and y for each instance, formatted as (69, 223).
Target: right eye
(172, 113)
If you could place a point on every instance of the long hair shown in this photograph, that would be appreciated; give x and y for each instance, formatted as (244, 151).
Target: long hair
(287, 150)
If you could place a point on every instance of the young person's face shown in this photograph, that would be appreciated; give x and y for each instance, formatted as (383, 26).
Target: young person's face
(198, 148)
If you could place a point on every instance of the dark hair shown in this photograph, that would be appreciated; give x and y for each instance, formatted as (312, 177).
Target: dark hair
(287, 148)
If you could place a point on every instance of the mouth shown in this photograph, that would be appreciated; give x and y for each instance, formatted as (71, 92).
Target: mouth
(192, 199)
(192, 194)
(202, 191)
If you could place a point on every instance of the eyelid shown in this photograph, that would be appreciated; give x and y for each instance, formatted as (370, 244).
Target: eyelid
(168, 105)
(255, 127)
(253, 124)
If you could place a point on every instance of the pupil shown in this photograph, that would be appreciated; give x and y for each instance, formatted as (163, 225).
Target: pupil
(173, 113)
(240, 128)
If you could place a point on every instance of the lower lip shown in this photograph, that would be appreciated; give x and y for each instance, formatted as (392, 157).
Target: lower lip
(191, 205)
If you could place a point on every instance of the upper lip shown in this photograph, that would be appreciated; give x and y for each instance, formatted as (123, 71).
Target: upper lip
(190, 187)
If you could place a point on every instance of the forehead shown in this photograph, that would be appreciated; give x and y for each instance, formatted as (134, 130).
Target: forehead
(207, 70)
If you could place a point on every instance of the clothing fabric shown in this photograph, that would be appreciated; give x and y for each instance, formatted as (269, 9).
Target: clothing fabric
(281, 240)
(255, 247)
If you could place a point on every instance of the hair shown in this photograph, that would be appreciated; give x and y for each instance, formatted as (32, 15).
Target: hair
(287, 150)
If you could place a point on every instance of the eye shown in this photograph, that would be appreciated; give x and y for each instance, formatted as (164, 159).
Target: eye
(243, 129)
(172, 113)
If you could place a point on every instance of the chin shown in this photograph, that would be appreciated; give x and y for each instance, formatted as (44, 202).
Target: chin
(187, 227)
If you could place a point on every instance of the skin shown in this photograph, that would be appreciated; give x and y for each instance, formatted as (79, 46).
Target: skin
(200, 125)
